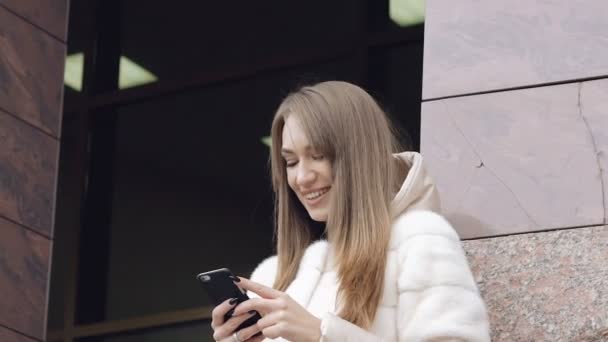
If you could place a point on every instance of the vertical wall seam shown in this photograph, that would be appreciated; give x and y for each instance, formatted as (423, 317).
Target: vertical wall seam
(595, 149)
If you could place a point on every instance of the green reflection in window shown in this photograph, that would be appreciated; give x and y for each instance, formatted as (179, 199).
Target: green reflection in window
(267, 141)
(131, 74)
(73, 71)
(407, 12)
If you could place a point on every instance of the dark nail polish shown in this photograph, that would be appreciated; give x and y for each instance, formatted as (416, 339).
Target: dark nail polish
(232, 301)
(235, 279)
(252, 312)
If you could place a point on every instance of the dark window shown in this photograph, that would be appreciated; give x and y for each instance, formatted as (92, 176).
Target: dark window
(162, 179)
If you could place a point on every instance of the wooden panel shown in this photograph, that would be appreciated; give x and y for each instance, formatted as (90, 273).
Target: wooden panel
(473, 46)
(24, 268)
(28, 170)
(31, 73)
(514, 161)
(48, 14)
(11, 336)
(550, 286)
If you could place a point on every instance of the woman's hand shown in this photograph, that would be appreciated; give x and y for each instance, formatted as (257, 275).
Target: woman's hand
(281, 315)
(223, 330)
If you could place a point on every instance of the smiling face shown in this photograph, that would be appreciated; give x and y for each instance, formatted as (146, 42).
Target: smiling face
(309, 172)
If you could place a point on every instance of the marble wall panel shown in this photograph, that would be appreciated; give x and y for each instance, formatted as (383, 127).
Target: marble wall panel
(11, 336)
(517, 161)
(473, 46)
(48, 14)
(28, 171)
(24, 269)
(31, 73)
(549, 286)
(594, 109)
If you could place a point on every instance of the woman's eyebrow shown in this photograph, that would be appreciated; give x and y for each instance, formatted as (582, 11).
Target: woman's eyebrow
(288, 151)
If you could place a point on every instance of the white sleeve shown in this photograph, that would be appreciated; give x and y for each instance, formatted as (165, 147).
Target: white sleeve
(334, 329)
(438, 297)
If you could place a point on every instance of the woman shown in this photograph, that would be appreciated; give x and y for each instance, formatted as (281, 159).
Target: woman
(386, 267)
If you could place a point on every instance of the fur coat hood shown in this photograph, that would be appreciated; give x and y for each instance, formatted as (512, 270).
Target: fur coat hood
(418, 190)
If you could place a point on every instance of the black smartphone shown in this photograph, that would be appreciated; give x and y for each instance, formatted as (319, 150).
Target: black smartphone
(220, 286)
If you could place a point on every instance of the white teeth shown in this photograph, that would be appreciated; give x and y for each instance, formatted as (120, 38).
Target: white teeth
(316, 194)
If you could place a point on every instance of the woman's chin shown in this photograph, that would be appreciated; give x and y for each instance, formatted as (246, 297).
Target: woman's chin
(318, 215)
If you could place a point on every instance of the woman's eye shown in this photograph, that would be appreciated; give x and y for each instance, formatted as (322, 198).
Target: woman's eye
(290, 163)
(318, 157)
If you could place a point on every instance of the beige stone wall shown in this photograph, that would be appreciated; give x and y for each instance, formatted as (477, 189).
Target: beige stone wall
(515, 132)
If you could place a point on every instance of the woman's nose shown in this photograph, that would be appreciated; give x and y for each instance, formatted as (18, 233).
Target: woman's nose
(305, 175)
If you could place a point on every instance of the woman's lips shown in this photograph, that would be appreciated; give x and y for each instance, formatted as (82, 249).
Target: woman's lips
(313, 198)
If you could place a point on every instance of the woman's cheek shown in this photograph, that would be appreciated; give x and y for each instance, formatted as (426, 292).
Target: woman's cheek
(291, 178)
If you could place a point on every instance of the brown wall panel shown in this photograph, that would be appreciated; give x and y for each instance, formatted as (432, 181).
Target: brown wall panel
(518, 161)
(473, 46)
(31, 73)
(11, 336)
(24, 267)
(48, 14)
(28, 170)
(549, 286)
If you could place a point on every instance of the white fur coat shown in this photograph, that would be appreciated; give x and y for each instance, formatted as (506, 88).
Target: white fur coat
(429, 291)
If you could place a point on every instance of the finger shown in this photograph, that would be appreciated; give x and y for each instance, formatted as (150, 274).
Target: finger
(260, 305)
(237, 281)
(249, 332)
(259, 289)
(230, 326)
(271, 319)
(257, 338)
(218, 313)
(274, 331)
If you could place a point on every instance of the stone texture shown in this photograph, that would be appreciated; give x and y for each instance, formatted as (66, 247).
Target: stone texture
(515, 161)
(11, 336)
(48, 14)
(550, 286)
(594, 109)
(31, 73)
(28, 171)
(24, 268)
(475, 46)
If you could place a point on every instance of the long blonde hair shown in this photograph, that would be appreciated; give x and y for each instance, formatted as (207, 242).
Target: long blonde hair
(343, 122)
